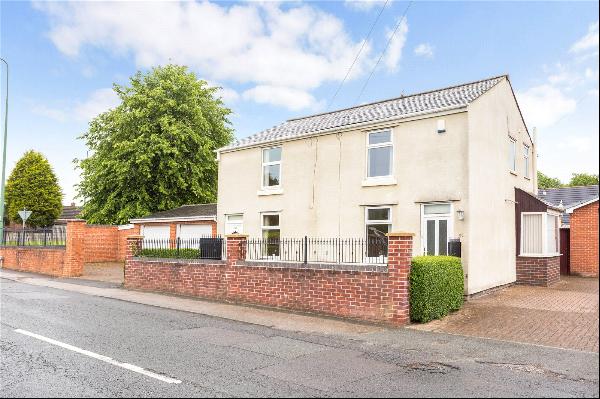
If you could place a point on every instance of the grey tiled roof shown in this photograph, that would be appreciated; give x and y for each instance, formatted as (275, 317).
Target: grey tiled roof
(397, 108)
(570, 196)
(70, 212)
(185, 211)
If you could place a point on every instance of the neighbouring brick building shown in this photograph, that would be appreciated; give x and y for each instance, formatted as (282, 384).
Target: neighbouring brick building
(187, 221)
(579, 227)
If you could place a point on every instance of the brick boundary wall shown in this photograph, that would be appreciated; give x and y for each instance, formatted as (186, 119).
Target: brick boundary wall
(44, 260)
(101, 243)
(584, 240)
(377, 296)
(64, 261)
(542, 271)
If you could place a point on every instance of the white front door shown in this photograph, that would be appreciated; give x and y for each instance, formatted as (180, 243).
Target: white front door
(436, 228)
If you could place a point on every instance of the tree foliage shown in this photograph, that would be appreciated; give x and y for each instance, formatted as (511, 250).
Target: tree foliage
(583, 179)
(547, 182)
(155, 151)
(33, 185)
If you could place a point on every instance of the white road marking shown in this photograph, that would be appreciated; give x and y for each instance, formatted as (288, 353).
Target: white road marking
(105, 359)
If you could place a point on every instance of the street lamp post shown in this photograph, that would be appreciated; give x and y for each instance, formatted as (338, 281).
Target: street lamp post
(2, 186)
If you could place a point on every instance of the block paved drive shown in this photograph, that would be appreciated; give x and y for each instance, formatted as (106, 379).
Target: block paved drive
(564, 315)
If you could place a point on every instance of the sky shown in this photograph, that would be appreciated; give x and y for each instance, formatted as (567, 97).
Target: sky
(279, 60)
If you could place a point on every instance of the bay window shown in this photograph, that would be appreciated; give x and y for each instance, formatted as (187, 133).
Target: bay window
(539, 234)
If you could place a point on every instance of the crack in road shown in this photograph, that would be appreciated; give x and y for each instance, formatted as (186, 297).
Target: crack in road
(533, 369)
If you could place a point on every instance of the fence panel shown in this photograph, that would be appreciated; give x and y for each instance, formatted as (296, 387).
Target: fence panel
(55, 236)
(183, 248)
(318, 250)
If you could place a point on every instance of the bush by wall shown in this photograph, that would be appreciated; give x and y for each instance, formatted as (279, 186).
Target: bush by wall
(436, 287)
(182, 253)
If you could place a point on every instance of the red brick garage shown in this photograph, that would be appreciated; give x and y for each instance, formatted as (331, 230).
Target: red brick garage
(584, 239)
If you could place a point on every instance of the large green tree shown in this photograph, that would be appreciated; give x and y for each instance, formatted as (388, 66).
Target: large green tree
(547, 182)
(583, 179)
(156, 150)
(33, 185)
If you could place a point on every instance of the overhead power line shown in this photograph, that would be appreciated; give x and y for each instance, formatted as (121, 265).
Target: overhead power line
(357, 55)
(383, 52)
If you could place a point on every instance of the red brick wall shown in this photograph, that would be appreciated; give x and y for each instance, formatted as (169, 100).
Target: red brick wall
(101, 243)
(60, 262)
(122, 241)
(35, 260)
(538, 271)
(373, 296)
(584, 240)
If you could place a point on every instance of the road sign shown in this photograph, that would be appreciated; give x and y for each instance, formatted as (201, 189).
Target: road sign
(24, 214)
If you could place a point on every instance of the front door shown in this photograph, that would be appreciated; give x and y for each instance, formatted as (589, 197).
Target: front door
(436, 236)
(436, 228)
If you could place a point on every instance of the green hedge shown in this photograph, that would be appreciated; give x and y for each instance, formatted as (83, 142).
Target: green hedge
(182, 253)
(436, 287)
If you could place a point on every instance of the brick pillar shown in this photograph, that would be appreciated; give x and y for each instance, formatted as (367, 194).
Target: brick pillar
(73, 263)
(400, 247)
(236, 248)
(134, 243)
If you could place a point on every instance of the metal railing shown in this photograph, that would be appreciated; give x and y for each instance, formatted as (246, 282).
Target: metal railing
(318, 250)
(55, 236)
(183, 248)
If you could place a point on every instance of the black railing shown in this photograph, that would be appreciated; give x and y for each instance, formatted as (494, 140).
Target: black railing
(318, 250)
(42, 237)
(183, 248)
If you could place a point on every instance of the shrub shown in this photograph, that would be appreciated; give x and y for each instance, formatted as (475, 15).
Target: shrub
(436, 287)
(182, 253)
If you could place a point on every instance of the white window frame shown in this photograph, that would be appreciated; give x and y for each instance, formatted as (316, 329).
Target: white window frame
(380, 145)
(262, 221)
(262, 168)
(512, 154)
(228, 223)
(424, 218)
(545, 252)
(526, 156)
(368, 221)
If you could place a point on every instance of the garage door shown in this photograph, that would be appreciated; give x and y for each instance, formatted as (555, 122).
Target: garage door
(187, 231)
(155, 233)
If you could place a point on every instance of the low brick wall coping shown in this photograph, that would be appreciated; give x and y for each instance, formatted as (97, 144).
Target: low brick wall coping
(236, 236)
(343, 267)
(174, 261)
(400, 234)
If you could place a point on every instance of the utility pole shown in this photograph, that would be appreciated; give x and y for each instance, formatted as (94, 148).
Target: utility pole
(2, 185)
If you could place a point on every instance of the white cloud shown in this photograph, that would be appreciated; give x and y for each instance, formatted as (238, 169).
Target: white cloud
(364, 5)
(587, 42)
(293, 99)
(424, 50)
(544, 105)
(99, 101)
(49, 112)
(394, 52)
(263, 44)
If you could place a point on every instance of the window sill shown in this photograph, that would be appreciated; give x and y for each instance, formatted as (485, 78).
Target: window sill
(512, 172)
(539, 255)
(271, 191)
(527, 178)
(383, 181)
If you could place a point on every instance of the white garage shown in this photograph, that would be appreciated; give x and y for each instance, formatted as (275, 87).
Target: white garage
(188, 231)
(155, 232)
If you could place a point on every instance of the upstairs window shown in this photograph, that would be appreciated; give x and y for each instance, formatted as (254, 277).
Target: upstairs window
(379, 154)
(526, 160)
(539, 233)
(512, 154)
(271, 167)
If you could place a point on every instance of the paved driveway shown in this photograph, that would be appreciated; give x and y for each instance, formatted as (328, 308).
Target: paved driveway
(565, 315)
(110, 272)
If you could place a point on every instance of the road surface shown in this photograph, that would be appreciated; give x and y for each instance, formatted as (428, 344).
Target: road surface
(59, 343)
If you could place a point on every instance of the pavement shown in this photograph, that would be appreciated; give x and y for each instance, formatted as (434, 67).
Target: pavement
(564, 315)
(75, 340)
